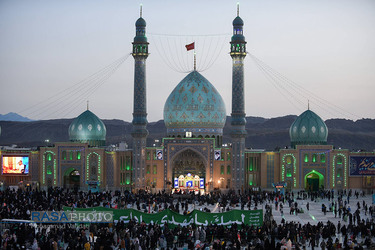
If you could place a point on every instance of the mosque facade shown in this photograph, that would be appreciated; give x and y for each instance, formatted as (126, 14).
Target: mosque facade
(192, 155)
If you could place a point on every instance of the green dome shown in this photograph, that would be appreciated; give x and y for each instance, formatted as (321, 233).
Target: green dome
(87, 127)
(194, 106)
(140, 22)
(238, 21)
(140, 31)
(308, 129)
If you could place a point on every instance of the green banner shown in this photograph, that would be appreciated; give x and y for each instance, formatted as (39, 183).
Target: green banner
(248, 217)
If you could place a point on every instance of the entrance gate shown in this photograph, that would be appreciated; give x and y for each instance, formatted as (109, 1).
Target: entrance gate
(314, 181)
(189, 171)
(71, 178)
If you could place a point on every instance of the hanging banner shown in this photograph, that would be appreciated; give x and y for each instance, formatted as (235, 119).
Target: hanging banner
(362, 165)
(248, 217)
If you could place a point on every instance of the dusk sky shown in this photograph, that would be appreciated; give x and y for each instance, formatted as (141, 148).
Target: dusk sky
(324, 48)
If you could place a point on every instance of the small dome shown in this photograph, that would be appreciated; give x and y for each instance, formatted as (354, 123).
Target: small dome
(140, 22)
(87, 127)
(194, 106)
(308, 129)
(238, 21)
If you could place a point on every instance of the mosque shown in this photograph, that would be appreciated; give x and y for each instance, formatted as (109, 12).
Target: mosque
(192, 155)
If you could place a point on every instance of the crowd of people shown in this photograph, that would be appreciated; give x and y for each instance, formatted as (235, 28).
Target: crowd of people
(356, 227)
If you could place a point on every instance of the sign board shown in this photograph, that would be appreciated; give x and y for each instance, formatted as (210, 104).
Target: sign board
(362, 165)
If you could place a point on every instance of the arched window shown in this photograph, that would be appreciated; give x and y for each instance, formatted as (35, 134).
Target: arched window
(127, 179)
(314, 158)
(228, 169)
(78, 155)
(49, 157)
(288, 172)
(64, 155)
(49, 169)
(221, 169)
(322, 158)
(306, 158)
(289, 160)
(339, 160)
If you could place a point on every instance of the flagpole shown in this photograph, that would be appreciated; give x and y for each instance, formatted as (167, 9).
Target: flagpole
(195, 59)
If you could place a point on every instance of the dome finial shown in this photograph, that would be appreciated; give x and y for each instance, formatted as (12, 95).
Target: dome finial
(238, 8)
(87, 104)
(308, 104)
(140, 11)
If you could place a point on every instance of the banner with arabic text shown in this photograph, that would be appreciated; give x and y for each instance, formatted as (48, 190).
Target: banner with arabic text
(248, 217)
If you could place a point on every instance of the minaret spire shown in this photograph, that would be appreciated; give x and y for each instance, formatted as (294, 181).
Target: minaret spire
(140, 11)
(139, 132)
(238, 121)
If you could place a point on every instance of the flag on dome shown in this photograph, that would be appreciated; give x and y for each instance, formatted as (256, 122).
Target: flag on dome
(190, 46)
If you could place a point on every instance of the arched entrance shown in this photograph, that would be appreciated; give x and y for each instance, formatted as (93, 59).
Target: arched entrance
(314, 181)
(189, 171)
(72, 178)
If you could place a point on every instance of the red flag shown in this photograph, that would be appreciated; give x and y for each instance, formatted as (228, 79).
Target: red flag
(190, 46)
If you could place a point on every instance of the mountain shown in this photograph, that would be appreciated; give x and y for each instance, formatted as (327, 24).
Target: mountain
(14, 117)
(263, 133)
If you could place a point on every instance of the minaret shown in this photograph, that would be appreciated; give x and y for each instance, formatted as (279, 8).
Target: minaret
(140, 132)
(238, 121)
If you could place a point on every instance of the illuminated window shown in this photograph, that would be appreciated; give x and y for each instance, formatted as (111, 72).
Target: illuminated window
(221, 169)
(322, 158)
(148, 155)
(128, 163)
(289, 172)
(251, 179)
(78, 155)
(289, 160)
(228, 169)
(148, 169)
(71, 155)
(251, 164)
(127, 179)
(339, 160)
(314, 158)
(306, 159)
(228, 156)
(64, 155)
(154, 155)
(49, 169)
(155, 169)
(49, 157)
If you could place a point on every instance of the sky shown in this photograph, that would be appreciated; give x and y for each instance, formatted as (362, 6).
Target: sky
(324, 50)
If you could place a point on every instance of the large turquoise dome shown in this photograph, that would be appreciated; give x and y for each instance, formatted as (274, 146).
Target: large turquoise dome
(308, 129)
(194, 106)
(87, 127)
